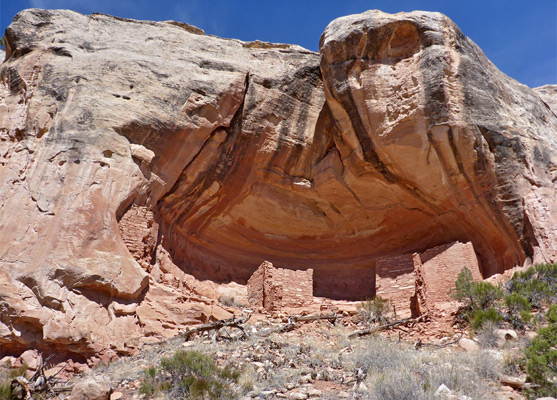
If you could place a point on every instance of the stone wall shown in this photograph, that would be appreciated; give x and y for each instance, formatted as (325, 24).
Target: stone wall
(255, 285)
(416, 282)
(395, 281)
(275, 288)
(138, 230)
(413, 283)
(441, 266)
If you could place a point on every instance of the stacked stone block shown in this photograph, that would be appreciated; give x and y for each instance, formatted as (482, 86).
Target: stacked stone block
(276, 288)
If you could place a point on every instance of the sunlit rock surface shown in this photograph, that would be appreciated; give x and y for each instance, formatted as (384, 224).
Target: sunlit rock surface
(138, 158)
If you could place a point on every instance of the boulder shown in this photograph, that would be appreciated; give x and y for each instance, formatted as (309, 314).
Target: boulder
(92, 388)
(30, 358)
(469, 345)
(504, 336)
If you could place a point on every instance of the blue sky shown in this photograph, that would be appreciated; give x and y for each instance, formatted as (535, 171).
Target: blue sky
(519, 36)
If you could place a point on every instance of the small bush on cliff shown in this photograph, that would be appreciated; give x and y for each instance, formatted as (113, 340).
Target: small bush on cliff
(191, 375)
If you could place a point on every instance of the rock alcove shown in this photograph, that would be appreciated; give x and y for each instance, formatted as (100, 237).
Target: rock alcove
(132, 146)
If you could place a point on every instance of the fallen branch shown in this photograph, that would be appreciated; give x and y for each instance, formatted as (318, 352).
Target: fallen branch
(393, 324)
(24, 389)
(298, 318)
(292, 323)
(441, 345)
(246, 315)
(217, 325)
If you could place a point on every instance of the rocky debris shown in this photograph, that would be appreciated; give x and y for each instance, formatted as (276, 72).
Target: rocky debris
(442, 390)
(513, 381)
(29, 358)
(116, 395)
(310, 362)
(140, 159)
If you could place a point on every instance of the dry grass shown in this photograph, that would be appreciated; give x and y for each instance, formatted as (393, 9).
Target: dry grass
(324, 353)
(398, 371)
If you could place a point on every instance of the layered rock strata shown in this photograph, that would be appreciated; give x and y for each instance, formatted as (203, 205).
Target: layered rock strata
(137, 157)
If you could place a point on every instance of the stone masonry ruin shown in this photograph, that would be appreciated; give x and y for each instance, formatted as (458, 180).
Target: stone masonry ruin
(413, 283)
(416, 282)
(275, 288)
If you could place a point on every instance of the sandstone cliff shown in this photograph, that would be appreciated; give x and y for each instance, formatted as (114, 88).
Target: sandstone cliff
(136, 157)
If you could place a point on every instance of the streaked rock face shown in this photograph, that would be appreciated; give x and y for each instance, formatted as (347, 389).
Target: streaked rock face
(399, 136)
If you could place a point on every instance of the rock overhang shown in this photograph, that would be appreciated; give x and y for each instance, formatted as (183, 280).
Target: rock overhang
(400, 136)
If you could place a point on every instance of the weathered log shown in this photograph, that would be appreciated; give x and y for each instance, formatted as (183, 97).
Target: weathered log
(217, 325)
(291, 324)
(298, 318)
(393, 324)
(24, 389)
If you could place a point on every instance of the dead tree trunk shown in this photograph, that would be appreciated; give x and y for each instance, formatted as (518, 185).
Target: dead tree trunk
(393, 324)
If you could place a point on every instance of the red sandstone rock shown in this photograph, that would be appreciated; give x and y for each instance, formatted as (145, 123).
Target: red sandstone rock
(140, 159)
(30, 358)
(92, 388)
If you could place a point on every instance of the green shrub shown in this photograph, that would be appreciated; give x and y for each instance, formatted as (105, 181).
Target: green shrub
(541, 360)
(150, 384)
(192, 375)
(478, 318)
(538, 284)
(475, 295)
(519, 310)
(534, 288)
(462, 290)
(551, 314)
(477, 298)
